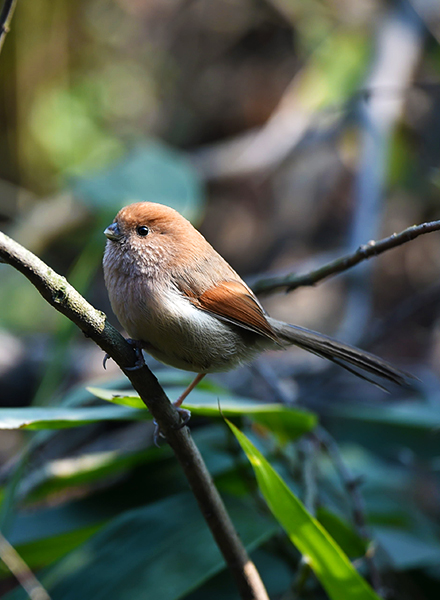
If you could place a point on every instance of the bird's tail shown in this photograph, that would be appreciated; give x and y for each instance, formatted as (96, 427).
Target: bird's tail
(348, 357)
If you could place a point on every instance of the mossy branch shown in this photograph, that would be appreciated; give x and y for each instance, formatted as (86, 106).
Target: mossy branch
(65, 299)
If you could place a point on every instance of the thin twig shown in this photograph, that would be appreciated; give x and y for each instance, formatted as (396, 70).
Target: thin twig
(5, 19)
(62, 296)
(292, 281)
(21, 571)
(351, 485)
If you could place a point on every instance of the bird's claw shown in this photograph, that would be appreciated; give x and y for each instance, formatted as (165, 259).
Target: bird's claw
(104, 362)
(140, 362)
(157, 434)
(137, 347)
(185, 415)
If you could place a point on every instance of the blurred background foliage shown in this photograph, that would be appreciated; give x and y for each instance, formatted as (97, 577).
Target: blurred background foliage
(290, 132)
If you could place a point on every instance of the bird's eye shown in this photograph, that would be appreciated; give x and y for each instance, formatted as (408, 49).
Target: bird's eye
(142, 230)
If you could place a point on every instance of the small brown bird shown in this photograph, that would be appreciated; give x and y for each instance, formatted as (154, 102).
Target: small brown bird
(178, 299)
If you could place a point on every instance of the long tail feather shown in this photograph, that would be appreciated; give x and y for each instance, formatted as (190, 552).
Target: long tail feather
(339, 353)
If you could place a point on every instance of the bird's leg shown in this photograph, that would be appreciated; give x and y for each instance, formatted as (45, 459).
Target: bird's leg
(189, 389)
(183, 412)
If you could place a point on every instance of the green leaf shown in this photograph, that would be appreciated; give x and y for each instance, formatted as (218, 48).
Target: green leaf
(412, 415)
(41, 553)
(405, 550)
(288, 423)
(155, 466)
(151, 172)
(413, 425)
(174, 377)
(88, 469)
(353, 545)
(276, 574)
(332, 567)
(62, 418)
(161, 551)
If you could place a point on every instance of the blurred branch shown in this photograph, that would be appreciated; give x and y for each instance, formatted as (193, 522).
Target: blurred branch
(260, 149)
(364, 252)
(295, 121)
(429, 12)
(397, 51)
(351, 485)
(5, 19)
(21, 571)
(94, 324)
(263, 149)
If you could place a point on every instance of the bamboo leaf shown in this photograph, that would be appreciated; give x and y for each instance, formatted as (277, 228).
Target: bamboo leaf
(288, 423)
(331, 566)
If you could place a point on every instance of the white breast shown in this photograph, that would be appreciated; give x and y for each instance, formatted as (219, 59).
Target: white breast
(176, 332)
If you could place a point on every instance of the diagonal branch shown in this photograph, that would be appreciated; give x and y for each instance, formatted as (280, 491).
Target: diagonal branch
(292, 281)
(5, 19)
(62, 296)
(21, 571)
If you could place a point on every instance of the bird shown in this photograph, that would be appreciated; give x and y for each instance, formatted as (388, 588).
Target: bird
(180, 301)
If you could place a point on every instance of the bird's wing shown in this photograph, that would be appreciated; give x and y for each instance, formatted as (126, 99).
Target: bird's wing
(232, 301)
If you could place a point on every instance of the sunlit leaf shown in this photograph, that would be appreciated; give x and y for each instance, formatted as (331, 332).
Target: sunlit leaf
(62, 418)
(287, 422)
(87, 469)
(344, 535)
(332, 567)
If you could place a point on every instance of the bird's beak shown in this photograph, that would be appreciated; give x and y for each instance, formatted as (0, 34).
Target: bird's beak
(113, 232)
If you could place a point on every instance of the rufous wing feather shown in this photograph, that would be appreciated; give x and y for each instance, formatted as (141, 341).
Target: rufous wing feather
(233, 302)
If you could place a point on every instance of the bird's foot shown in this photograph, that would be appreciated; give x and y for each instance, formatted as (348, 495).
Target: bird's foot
(185, 415)
(140, 362)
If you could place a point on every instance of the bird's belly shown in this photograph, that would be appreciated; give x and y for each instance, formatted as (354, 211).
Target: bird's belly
(205, 345)
(184, 336)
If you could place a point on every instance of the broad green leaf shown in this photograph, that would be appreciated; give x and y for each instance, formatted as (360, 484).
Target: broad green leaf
(62, 418)
(288, 423)
(87, 469)
(382, 428)
(151, 172)
(161, 551)
(332, 567)
(157, 477)
(412, 415)
(405, 550)
(276, 574)
(90, 468)
(41, 553)
(353, 545)
(175, 377)
(70, 149)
